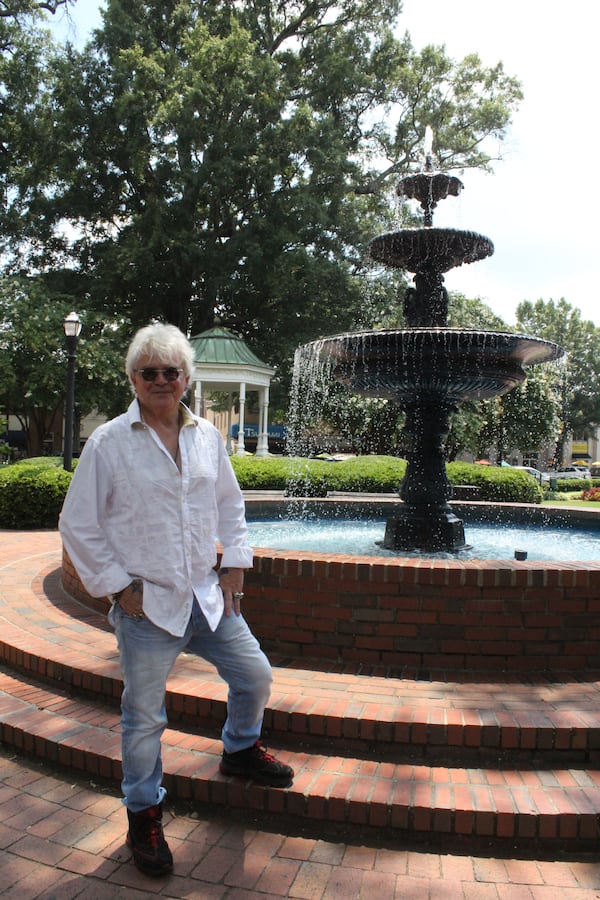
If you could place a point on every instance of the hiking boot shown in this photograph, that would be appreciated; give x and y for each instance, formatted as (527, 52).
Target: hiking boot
(151, 852)
(257, 764)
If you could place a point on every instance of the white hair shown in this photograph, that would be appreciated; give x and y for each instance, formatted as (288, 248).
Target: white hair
(160, 341)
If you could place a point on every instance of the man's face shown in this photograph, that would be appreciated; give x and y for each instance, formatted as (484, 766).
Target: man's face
(159, 386)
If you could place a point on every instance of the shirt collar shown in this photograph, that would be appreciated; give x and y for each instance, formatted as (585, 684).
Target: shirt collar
(134, 415)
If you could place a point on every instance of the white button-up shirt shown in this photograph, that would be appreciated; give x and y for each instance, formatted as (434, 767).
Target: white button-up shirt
(130, 513)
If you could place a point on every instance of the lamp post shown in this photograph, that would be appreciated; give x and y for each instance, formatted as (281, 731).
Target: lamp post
(72, 326)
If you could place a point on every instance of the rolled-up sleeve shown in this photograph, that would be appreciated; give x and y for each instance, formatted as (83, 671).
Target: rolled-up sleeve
(232, 530)
(81, 525)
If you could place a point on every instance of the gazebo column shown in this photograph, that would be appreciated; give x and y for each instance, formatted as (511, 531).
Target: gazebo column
(228, 441)
(241, 449)
(198, 398)
(262, 443)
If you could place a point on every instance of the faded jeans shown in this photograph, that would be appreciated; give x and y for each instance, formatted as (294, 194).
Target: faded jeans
(147, 655)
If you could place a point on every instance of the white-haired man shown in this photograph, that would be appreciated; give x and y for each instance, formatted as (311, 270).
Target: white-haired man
(152, 490)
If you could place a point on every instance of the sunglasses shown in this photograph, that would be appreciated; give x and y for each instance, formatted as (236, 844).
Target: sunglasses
(150, 374)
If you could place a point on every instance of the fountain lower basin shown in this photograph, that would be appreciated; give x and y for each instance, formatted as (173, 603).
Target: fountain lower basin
(442, 363)
(415, 617)
(428, 371)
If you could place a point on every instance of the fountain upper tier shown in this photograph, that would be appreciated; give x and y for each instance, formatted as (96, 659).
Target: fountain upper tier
(429, 249)
(447, 363)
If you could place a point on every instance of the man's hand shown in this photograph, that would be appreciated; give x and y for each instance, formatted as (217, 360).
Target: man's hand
(131, 599)
(232, 585)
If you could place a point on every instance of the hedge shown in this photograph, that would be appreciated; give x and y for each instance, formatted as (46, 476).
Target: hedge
(32, 494)
(32, 490)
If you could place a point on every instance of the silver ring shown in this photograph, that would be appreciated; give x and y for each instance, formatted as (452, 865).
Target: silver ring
(238, 595)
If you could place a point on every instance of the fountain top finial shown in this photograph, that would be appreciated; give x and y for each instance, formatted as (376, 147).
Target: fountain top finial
(428, 186)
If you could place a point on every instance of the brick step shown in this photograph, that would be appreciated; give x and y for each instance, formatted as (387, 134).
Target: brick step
(52, 637)
(540, 806)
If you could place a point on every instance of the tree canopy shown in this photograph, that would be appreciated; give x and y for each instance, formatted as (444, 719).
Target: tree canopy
(577, 378)
(233, 160)
(215, 159)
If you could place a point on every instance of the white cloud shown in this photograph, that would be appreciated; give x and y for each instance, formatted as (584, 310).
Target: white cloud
(541, 205)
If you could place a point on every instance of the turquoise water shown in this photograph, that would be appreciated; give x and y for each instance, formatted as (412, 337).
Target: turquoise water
(488, 541)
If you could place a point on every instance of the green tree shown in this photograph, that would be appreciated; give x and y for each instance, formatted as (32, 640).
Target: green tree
(33, 363)
(16, 9)
(22, 56)
(468, 422)
(221, 159)
(577, 377)
(525, 418)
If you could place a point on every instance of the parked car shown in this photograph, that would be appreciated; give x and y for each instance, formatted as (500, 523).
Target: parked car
(584, 471)
(572, 472)
(539, 476)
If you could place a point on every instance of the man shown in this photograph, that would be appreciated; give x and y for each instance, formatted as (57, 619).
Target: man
(153, 490)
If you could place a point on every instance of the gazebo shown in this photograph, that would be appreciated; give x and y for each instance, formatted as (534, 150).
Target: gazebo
(222, 361)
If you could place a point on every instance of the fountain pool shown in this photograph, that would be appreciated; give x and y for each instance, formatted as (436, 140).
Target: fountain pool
(488, 540)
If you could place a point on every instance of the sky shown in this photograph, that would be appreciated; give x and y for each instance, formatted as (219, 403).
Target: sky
(540, 205)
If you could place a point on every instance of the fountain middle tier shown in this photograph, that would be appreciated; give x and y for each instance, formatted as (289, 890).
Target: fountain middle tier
(454, 364)
(423, 249)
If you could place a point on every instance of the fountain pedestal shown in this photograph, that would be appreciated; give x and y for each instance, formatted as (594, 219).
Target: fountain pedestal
(426, 519)
(431, 530)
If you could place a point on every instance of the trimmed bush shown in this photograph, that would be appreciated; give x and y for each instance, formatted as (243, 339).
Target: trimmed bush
(315, 477)
(498, 484)
(261, 474)
(32, 494)
(375, 474)
(569, 485)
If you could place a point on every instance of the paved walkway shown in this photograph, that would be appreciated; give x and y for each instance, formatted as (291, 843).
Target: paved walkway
(62, 836)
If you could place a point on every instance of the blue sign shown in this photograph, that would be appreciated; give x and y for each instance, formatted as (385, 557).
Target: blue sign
(278, 432)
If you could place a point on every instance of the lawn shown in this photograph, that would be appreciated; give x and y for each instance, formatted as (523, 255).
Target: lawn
(572, 498)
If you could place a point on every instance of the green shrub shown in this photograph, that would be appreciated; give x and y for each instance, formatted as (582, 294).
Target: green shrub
(42, 462)
(497, 484)
(315, 477)
(375, 474)
(269, 473)
(32, 494)
(568, 485)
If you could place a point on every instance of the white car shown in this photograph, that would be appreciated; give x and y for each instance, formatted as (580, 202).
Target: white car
(539, 476)
(585, 472)
(572, 472)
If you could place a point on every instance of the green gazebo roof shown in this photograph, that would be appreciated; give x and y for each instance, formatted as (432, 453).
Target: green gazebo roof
(221, 347)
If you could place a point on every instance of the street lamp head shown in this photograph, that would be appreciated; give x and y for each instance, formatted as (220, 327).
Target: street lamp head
(72, 325)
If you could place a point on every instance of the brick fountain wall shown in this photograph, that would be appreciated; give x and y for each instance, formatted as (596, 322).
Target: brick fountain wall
(417, 615)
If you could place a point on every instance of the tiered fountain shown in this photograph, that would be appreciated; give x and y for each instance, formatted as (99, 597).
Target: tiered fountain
(427, 367)
(394, 613)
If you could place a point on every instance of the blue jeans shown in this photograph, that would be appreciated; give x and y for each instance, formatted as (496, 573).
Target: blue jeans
(147, 655)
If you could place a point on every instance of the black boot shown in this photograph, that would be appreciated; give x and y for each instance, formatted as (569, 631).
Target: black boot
(255, 763)
(151, 852)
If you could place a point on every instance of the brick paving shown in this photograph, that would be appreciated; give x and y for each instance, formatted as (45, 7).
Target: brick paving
(62, 832)
(63, 836)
